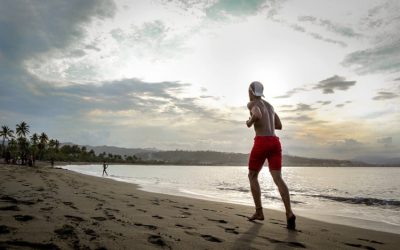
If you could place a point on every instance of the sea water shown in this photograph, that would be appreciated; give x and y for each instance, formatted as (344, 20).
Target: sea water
(367, 197)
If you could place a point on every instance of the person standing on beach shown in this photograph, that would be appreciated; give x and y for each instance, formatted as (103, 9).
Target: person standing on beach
(266, 146)
(105, 166)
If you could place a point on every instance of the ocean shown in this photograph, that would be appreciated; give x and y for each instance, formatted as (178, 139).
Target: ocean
(367, 197)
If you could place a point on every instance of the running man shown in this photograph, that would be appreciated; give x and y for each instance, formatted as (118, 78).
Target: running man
(105, 166)
(266, 146)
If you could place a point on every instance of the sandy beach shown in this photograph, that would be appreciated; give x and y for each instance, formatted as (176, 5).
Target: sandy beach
(52, 208)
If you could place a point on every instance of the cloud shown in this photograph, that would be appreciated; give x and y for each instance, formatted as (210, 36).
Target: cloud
(341, 105)
(291, 92)
(223, 8)
(32, 27)
(323, 103)
(320, 37)
(329, 85)
(347, 145)
(301, 118)
(153, 39)
(301, 107)
(384, 95)
(302, 29)
(385, 140)
(330, 26)
(382, 58)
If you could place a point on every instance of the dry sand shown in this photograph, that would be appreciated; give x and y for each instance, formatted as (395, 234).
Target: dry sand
(50, 208)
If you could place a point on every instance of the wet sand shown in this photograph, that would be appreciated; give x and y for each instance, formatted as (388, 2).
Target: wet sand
(51, 208)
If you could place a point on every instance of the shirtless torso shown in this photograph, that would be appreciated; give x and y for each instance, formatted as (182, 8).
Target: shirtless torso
(263, 117)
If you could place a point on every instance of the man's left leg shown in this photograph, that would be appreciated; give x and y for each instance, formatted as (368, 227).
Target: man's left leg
(284, 192)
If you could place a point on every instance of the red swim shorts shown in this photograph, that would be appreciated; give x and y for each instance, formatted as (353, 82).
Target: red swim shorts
(266, 147)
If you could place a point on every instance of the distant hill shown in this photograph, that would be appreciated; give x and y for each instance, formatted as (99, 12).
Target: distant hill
(155, 156)
(120, 151)
(376, 159)
(234, 159)
(211, 157)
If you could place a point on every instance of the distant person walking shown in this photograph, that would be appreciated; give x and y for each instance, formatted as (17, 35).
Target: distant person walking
(105, 166)
(266, 146)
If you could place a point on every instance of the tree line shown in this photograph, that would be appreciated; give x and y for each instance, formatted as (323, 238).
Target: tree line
(24, 149)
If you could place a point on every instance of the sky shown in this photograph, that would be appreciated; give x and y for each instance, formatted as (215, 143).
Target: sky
(174, 74)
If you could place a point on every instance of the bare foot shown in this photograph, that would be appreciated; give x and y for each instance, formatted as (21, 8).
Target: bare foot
(291, 222)
(256, 216)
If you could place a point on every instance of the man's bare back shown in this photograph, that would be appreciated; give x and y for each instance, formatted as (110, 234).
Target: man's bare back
(264, 118)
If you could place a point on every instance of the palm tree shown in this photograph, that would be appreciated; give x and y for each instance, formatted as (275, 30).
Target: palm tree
(52, 143)
(57, 145)
(34, 146)
(13, 147)
(22, 129)
(43, 139)
(6, 133)
(34, 139)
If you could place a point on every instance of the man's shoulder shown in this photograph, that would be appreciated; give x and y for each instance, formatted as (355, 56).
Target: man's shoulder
(266, 103)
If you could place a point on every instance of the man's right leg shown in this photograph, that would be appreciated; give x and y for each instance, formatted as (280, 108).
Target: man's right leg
(256, 192)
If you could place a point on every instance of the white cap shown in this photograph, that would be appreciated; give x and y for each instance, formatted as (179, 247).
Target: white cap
(256, 88)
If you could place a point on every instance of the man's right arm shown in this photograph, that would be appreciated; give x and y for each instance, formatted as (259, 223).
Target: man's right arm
(278, 124)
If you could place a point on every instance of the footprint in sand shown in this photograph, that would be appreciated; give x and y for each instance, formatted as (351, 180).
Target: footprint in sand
(142, 210)
(241, 215)
(360, 246)
(184, 227)
(150, 227)
(23, 218)
(5, 229)
(219, 221)
(211, 238)
(74, 218)
(211, 210)
(66, 232)
(70, 204)
(12, 200)
(10, 208)
(46, 208)
(185, 208)
(230, 230)
(205, 236)
(109, 215)
(91, 233)
(112, 209)
(158, 217)
(289, 243)
(30, 245)
(156, 240)
(171, 201)
(132, 196)
(371, 241)
(99, 218)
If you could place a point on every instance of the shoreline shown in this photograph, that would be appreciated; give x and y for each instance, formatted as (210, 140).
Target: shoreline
(328, 217)
(74, 210)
